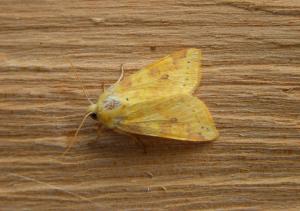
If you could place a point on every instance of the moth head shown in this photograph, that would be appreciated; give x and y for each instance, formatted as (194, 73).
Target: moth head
(92, 111)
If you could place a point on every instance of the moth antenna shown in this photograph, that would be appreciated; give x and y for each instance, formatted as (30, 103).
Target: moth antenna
(120, 78)
(80, 81)
(122, 73)
(76, 133)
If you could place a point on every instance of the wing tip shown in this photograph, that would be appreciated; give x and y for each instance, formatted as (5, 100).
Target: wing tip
(215, 136)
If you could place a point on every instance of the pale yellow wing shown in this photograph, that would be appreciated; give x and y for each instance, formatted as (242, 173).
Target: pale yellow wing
(181, 117)
(177, 73)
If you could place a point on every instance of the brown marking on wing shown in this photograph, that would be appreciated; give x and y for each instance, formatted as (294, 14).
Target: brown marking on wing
(126, 83)
(195, 137)
(179, 55)
(164, 76)
(174, 120)
(154, 72)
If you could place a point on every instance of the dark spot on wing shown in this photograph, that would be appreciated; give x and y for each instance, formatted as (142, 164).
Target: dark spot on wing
(173, 120)
(204, 128)
(164, 76)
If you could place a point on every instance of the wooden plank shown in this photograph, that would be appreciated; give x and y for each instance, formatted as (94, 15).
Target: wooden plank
(251, 83)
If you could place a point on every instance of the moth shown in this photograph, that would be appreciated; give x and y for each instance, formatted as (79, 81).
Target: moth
(157, 101)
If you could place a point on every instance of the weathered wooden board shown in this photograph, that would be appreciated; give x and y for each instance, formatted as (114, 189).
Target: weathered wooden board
(251, 83)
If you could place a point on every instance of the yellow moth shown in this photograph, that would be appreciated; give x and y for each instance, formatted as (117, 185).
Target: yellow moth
(157, 101)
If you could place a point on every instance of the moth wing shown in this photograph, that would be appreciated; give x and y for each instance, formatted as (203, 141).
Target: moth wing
(181, 117)
(179, 72)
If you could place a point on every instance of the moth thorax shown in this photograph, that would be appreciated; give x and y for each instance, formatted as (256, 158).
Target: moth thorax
(111, 103)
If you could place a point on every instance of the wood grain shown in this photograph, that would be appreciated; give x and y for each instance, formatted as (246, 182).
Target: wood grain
(251, 83)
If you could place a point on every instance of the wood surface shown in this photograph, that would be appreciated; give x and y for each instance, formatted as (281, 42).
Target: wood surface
(251, 84)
